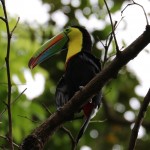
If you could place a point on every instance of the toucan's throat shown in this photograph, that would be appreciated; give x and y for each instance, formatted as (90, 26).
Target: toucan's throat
(74, 44)
(79, 40)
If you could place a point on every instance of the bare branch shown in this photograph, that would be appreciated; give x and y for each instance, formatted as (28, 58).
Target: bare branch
(12, 102)
(139, 121)
(134, 3)
(9, 34)
(28, 118)
(3, 19)
(107, 45)
(64, 129)
(98, 121)
(4, 137)
(46, 108)
(8, 75)
(70, 136)
(113, 30)
(15, 26)
(19, 96)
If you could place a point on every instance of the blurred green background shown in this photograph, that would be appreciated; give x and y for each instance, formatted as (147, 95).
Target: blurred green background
(111, 128)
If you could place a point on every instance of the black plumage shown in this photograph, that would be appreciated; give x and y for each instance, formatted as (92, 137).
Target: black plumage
(80, 69)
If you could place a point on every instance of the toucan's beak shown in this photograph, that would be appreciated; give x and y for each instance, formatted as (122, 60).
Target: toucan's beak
(48, 49)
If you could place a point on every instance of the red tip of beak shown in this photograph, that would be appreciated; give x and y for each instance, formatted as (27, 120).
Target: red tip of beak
(31, 63)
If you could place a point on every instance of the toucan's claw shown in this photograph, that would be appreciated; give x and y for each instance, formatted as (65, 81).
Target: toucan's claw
(59, 109)
(81, 88)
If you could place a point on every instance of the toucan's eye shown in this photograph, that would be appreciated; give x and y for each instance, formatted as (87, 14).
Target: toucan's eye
(67, 30)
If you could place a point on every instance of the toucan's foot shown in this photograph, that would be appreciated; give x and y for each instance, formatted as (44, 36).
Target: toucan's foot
(81, 88)
(90, 101)
(59, 109)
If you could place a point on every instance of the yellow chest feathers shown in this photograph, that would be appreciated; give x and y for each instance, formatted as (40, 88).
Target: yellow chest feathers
(75, 42)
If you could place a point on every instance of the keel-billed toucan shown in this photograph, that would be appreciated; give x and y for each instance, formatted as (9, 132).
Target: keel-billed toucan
(80, 67)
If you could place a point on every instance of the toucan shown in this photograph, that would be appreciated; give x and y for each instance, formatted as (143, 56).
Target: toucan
(80, 67)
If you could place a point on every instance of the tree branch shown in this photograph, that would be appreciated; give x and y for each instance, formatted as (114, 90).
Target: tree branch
(139, 121)
(15, 26)
(41, 134)
(64, 129)
(134, 3)
(7, 60)
(3, 19)
(8, 74)
(4, 137)
(70, 136)
(14, 101)
(113, 29)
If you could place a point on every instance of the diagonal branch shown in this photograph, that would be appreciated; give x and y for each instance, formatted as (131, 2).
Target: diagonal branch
(139, 121)
(41, 134)
(14, 101)
(3, 19)
(63, 128)
(4, 137)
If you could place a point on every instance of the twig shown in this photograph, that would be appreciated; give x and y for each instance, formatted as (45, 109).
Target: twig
(139, 121)
(70, 136)
(19, 95)
(28, 118)
(3, 19)
(64, 129)
(113, 31)
(134, 3)
(12, 102)
(2, 83)
(8, 76)
(107, 45)
(46, 108)
(4, 137)
(15, 26)
(7, 58)
(98, 121)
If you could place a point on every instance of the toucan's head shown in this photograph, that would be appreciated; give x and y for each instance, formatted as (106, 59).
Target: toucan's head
(74, 39)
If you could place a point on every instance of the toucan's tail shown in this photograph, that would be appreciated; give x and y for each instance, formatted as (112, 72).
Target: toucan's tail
(84, 126)
(90, 110)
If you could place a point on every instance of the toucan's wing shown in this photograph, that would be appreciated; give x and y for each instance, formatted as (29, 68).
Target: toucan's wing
(62, 93)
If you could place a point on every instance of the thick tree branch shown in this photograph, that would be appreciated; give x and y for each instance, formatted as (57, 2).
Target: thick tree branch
(139, 121)
(38, 138)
